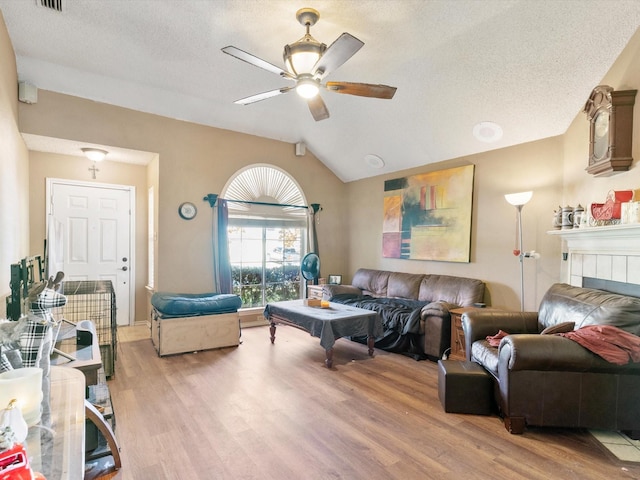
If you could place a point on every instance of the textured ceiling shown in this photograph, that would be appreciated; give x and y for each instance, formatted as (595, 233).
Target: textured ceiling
(527, 65)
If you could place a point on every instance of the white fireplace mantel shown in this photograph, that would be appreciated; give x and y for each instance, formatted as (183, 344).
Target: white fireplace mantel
(610, 253)
(620, 239)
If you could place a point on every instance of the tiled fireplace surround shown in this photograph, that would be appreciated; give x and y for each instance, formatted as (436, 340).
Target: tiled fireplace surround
(605, 253)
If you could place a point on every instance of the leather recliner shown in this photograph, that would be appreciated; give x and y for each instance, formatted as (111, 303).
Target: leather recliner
(551, 380)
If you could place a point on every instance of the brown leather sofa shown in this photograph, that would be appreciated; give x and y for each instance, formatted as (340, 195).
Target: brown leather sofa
(424, 327)
(551, 380)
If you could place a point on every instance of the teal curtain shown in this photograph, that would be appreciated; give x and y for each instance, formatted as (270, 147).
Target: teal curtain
(221, 264)
(313, 217)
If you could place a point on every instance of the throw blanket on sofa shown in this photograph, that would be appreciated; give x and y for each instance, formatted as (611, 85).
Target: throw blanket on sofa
(400, 321)
(397, 314)
(611, 343)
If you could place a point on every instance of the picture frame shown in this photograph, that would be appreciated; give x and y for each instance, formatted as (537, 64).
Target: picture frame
(428, 216)
(335, 279)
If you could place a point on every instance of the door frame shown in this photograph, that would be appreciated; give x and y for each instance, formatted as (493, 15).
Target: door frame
(132, 223)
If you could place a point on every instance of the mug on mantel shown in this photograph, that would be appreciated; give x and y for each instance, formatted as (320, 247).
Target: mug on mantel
(557, 219)
(578, 213)
(567, 218)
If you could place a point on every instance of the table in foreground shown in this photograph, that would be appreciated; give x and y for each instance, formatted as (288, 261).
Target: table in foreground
(328, 324)
(55, 447)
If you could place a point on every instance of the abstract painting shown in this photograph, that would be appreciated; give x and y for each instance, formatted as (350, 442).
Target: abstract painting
(428, 216)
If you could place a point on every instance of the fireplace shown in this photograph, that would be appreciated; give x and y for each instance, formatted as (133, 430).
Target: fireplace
(607, 254)
(612, 286)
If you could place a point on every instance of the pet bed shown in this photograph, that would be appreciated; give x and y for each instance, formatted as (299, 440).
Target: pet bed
(183, 322)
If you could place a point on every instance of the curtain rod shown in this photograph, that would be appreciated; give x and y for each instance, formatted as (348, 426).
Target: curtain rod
(212, 198)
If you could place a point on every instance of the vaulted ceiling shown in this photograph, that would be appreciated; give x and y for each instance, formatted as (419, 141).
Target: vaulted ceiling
(527, 65)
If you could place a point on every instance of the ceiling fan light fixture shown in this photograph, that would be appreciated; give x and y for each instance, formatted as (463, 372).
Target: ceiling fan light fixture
(94, 154)
(307, 88)
(300, 57)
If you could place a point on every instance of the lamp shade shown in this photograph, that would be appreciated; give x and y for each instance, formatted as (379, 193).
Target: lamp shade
(518, 199)
(24, 385)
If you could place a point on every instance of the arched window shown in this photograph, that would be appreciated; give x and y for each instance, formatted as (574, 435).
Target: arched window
(267, 235)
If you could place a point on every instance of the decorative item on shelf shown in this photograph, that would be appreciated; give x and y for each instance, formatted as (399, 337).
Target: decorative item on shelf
(14, 464)
(335, 279)
(567, 218)
(578, 212)
(610, 212)
(585, 221)
(11, 417)
(610, 115)
(519, 200)
(557, 219)
(630, 213)
(25, 386)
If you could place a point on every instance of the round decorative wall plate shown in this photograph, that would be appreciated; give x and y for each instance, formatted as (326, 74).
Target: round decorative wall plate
(187, 210)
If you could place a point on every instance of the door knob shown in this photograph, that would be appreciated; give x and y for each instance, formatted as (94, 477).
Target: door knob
(124, 269)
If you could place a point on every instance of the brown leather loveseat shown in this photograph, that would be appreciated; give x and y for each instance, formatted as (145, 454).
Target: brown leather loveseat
(414, 307)
(551, 380)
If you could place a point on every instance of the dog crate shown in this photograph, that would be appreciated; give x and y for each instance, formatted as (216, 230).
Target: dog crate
(95, 301)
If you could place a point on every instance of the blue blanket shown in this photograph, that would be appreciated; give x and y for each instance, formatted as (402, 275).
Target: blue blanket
(170, 305)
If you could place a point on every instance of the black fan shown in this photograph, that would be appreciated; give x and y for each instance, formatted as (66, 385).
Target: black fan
(310, 267)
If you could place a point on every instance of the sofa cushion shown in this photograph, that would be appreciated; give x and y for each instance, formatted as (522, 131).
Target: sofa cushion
(563, 327)
(404, 285)
(588, 306)
(371, 282)
(486, 355)
(455, 290)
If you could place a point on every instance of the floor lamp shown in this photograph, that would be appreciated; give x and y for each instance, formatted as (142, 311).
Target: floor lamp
(519, 200)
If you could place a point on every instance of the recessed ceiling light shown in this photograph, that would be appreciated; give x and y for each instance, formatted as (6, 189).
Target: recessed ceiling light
(374, 161)
(487, 132)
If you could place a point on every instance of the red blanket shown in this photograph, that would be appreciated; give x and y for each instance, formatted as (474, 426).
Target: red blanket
(611, 343)
(494, 340)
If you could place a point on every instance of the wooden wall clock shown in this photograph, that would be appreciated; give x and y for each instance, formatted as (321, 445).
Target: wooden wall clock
(610, 116)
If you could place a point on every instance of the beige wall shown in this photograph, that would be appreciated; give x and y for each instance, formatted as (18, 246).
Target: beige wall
(49, 165)
(193, 160)
(14, 170)
(532, 166)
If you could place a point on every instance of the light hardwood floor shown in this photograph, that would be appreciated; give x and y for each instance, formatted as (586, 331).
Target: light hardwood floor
(275, 412)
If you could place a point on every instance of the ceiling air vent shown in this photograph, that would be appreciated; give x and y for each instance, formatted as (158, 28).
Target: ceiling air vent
(56, 5)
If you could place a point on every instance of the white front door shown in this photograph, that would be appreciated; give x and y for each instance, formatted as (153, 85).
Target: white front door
(95, 224)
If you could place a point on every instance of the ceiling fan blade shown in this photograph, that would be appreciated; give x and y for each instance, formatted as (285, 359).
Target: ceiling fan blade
(362, 89)
(256, 62)
(345, 46)
(263, 96)
(318, 108)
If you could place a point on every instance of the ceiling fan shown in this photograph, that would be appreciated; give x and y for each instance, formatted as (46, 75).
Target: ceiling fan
(307, 63)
